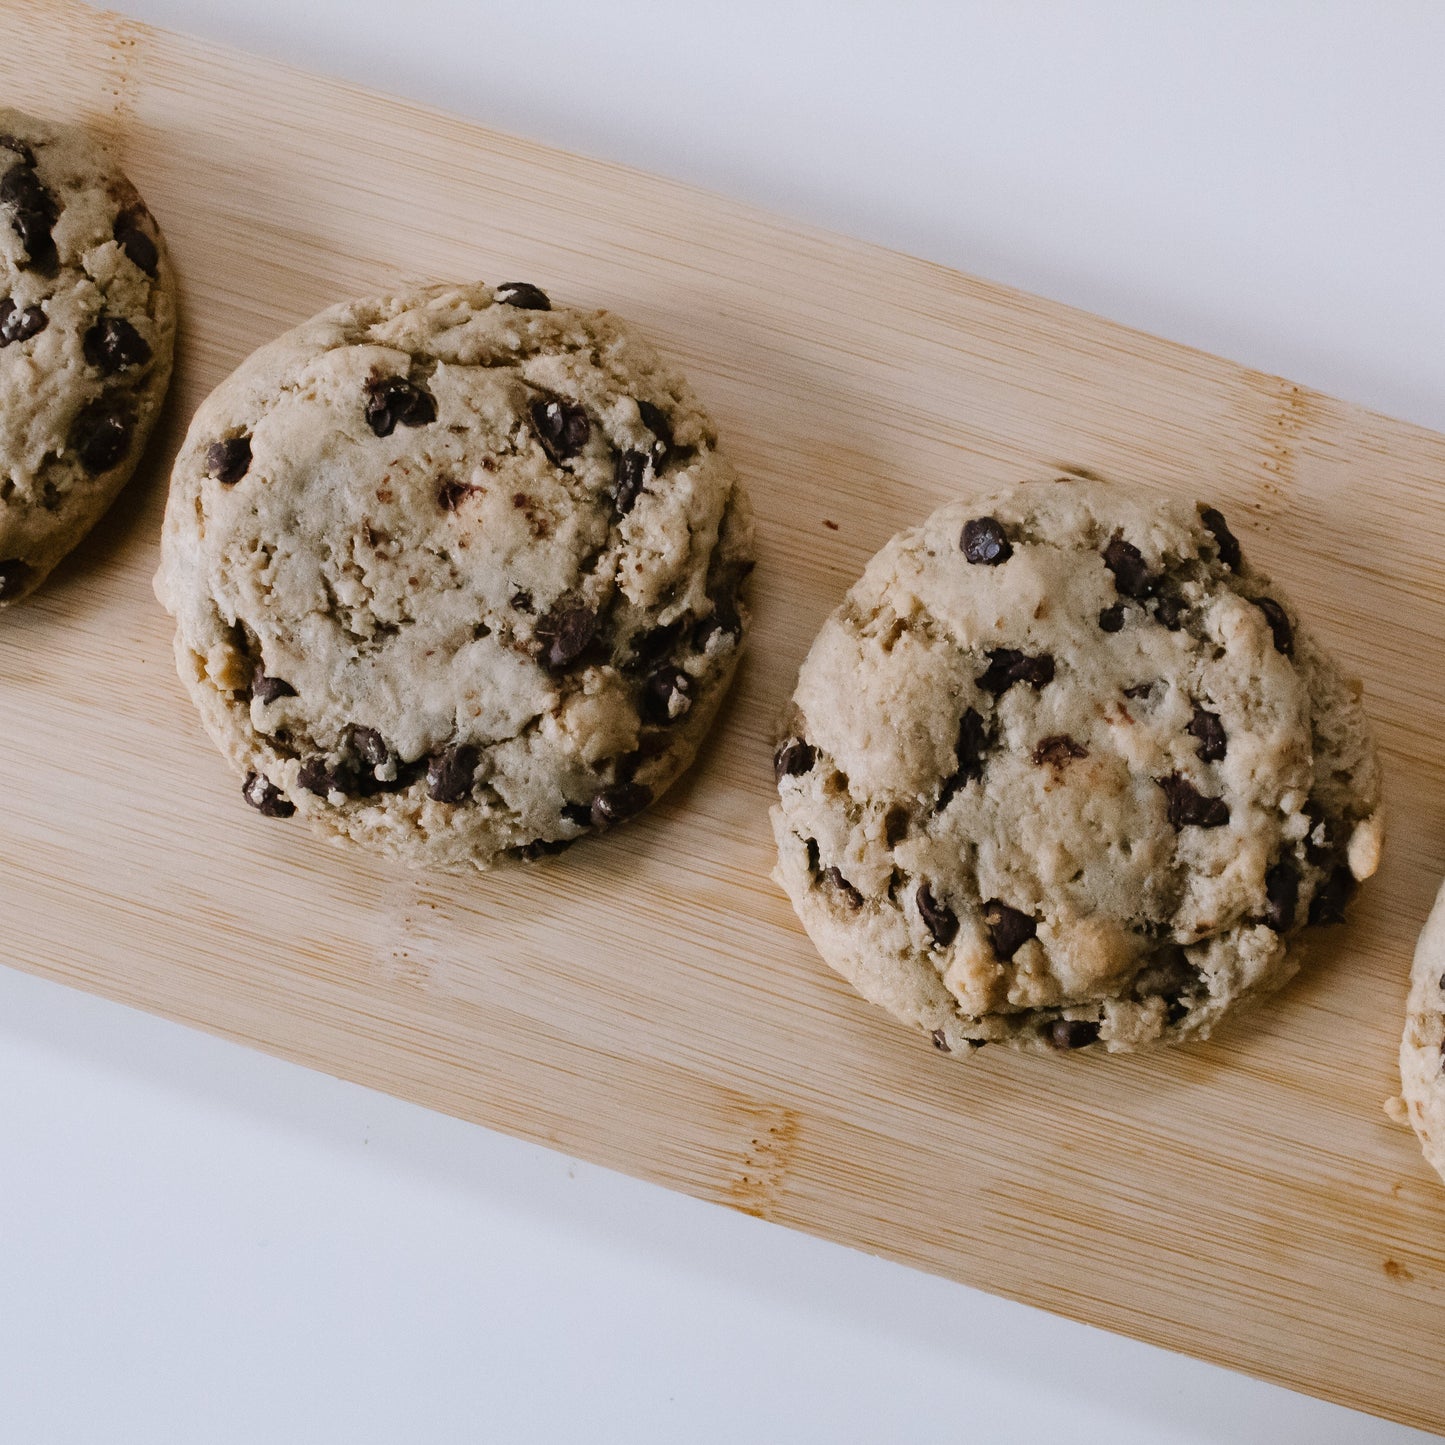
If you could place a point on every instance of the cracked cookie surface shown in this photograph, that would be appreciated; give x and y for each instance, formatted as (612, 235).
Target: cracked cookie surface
(1422, 1049)
(1064, 770)
(456, 574)
(87, 326)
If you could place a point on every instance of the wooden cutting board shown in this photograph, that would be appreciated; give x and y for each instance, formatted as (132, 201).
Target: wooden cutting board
(651, 1004)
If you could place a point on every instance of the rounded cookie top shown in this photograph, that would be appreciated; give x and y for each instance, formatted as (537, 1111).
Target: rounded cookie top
(1422, 1049)
(456, 573)
(1063, 770)
(87, 325)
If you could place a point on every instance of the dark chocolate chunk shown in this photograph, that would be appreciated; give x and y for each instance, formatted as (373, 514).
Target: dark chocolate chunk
(1008, 929)
(134, 241)
(543, 848)
(578, 814)
(723, 591)
(647, 649)
(940, 1041)
(20, 325)
(449, 774)
(265, 797)
(33, 213)
(1334, 892)
(1189, 807)
(368, 745)
(628, 481)
(984, 542)
(1111, 619)
(1132, 576)
(321, 777)
(112, 344)
(13, 143)
(565, 633)
(452, 493)
(793, 758)
(666, 695)
(940, 920)
(1167, 973)
(521, 601)
(849, 894)
(101, 434)
(810, 846)
(229, 460)
(393, 401)
(1281, 893)
(14, 574)
(267, 689)
(1139, 690)
(1007, 666)
(1058, 751)
(659, 424)
(561, 427)
(895, 826)
(970, 750)
(1066, 1034)
(1279, 624)
(618, 803)
(1229, 552)
(523, 295)
(1169, 611)
(1206, 726)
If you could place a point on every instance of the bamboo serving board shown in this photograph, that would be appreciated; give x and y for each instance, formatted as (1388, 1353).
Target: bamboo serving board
(650, 1003)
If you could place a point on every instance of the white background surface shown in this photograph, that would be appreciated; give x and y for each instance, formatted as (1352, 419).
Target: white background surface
(201, 1244)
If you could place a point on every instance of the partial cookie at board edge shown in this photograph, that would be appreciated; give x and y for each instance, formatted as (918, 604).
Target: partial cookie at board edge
(456, 573)
(1064, 771)
(87, 326)
(1422, 1047)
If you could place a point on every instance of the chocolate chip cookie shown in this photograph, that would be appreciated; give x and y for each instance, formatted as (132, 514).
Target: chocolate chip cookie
(456, 574)
(1065, 771)
(87, 324)
(1422, 1050)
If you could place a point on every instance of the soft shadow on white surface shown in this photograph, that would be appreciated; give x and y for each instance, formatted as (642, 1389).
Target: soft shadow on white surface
(224, 1248)
(1256, 180)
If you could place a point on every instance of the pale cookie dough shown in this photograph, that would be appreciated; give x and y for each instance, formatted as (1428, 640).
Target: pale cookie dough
(87, 324)
(1422, 1050)
(1064, 770)
(456, 573)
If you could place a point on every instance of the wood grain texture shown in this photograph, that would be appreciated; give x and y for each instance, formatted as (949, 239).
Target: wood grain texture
(651, 1004)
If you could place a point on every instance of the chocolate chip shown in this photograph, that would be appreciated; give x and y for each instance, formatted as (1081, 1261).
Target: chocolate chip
(449, 774)
(647, 649)
(1111, 619)
(1139, 690)
(14, 574)
(984, 543)
(666, 695)
(134, 241)
(14, 143)
(523, 295)
(561, 427)
(1008, 929)
(1167, 973)
(1064, 1034)
(895, 830)
(1279, 624)
(101, 435)
(33, 213)
(1007, 666)
(393, 401)
(723, 592)
(578, 814)
(1281, 892)
(1328, 904)
(267, 689)
(1131, 573)
(452, 493)
(265, 797)
(793, 758)
(1206, 726)
(970, 750)
(1058, 751)
(112, 344)
(565, 633)
(1188, 806)
(1170, 610)
(628, 481)
(850, 895)
(229, 460)
(940, 920)
(321, 777)
(20, 325)
(940, 1041)
(659, 424)
(542, 848)
(368, 745)
(1229, 552)
(810, 847)
(618, 803)
(521, 601)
